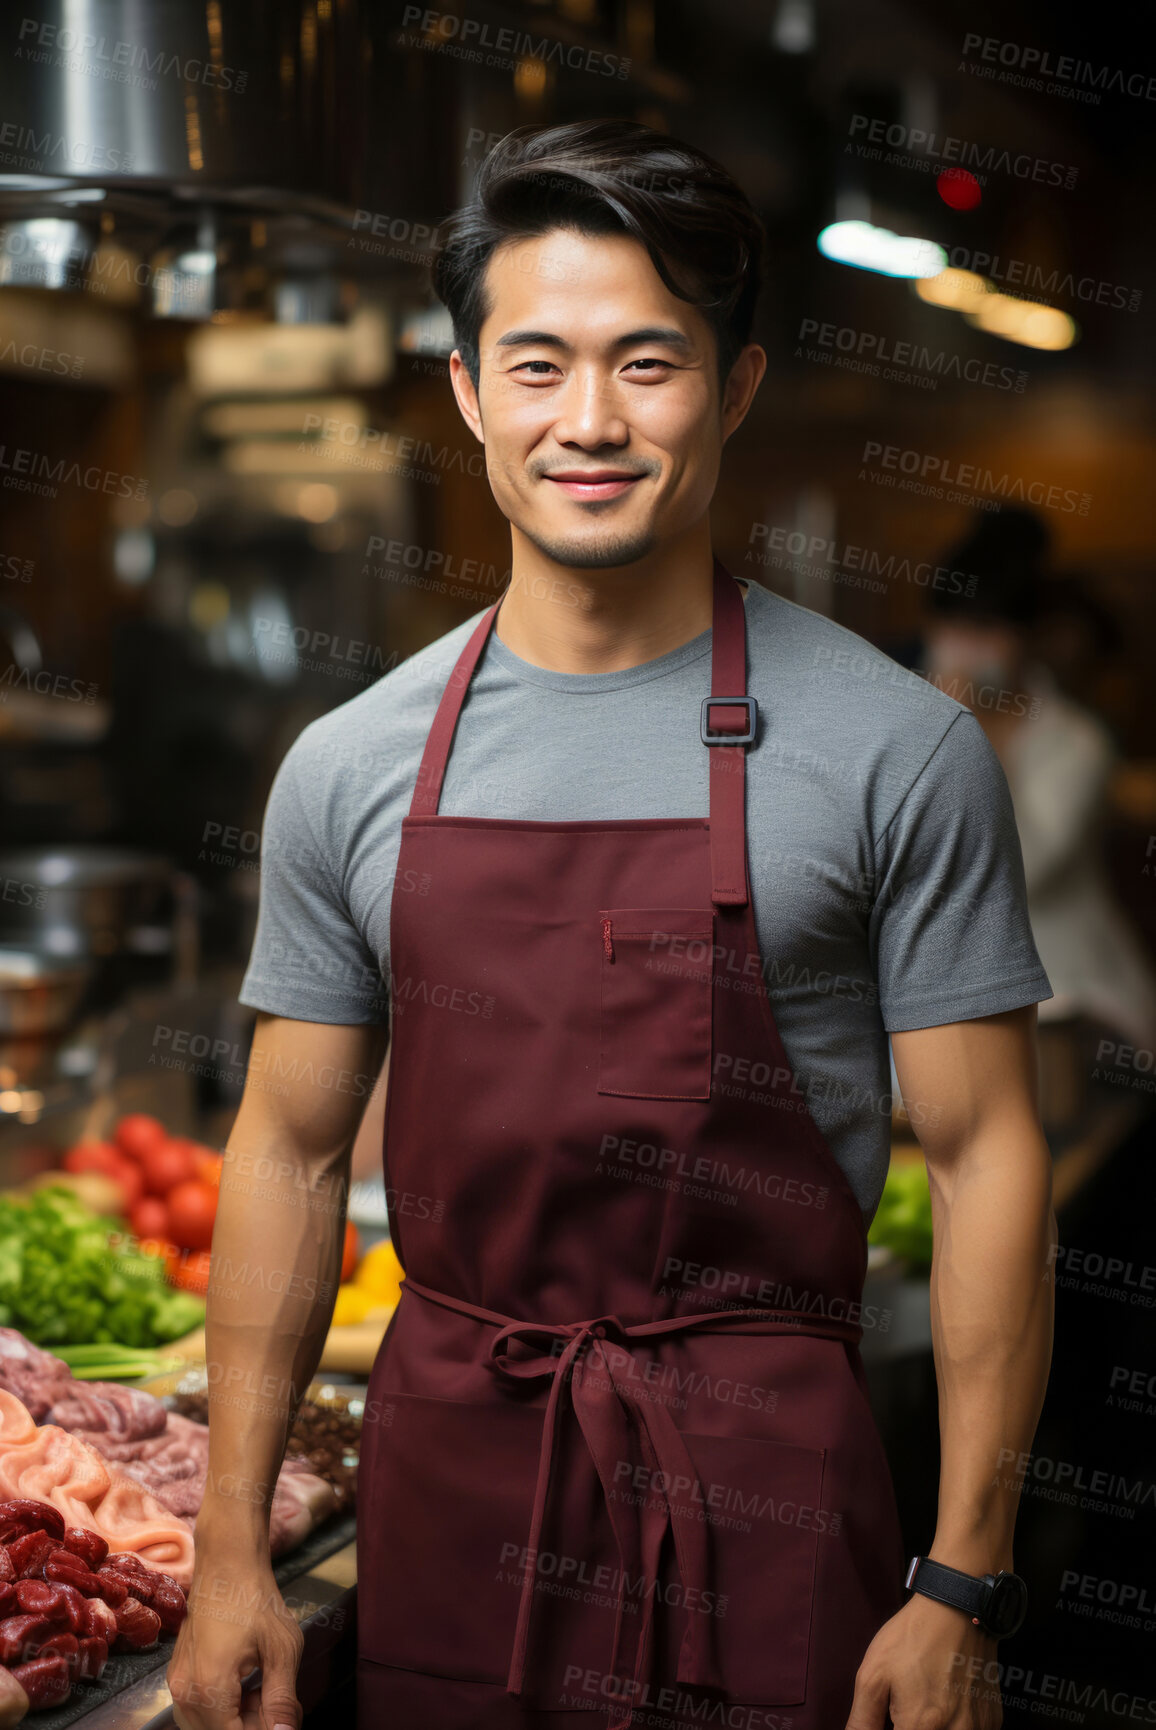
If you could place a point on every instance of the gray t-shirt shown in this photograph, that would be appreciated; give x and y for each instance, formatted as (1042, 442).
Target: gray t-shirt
(885, 866)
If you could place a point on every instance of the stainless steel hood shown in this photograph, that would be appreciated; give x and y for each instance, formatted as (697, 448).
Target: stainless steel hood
(180, 93)
(219, 155)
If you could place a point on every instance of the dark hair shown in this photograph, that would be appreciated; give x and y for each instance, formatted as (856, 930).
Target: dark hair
(1005, 552)
(602, 177)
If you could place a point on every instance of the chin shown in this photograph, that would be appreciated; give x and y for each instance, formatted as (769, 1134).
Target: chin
(600, 551)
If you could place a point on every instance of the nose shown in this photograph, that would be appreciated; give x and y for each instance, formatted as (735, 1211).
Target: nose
(589, 413)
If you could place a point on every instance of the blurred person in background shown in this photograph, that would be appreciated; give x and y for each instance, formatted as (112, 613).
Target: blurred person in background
(987, 649)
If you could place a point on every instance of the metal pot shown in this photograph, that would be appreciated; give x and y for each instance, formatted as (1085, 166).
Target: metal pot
(86, 901)
(38, 992)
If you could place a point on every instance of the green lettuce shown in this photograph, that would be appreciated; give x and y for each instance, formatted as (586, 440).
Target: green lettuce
(70, 1276)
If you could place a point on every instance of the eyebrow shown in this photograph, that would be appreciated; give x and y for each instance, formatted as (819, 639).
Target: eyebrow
(670, 335)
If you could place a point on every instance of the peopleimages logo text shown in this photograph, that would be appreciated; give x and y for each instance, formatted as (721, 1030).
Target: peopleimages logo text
(974, 477)
(441, 28)
(933, 148)
(1066, 68)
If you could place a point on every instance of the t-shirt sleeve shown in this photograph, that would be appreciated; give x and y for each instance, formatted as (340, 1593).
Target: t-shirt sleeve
(950, 931)
(309, 961)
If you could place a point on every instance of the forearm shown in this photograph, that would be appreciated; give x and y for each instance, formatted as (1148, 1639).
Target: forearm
(991, 1320)
(276, 1266)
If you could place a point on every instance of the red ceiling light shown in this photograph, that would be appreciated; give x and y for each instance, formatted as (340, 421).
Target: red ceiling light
(958, 188)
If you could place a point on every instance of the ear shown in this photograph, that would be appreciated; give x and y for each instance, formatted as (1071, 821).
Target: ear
(467, 396)
(739, 391)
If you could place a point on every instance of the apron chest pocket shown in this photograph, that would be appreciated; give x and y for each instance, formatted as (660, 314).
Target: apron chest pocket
(656, 1000)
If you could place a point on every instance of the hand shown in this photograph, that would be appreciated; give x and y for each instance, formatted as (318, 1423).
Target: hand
(237, 1623)
(932, 1668)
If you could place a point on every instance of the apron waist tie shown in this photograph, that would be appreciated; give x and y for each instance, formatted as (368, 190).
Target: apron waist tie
(576, 1357)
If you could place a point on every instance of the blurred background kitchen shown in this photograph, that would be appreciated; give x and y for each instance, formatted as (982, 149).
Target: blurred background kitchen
(236, 490)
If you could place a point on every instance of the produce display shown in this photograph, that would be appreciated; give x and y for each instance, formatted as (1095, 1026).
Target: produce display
(66, 1601)
(167, 1187)
(103, 1361)
(903, 1221)
(376, 1285)
(63, 1279)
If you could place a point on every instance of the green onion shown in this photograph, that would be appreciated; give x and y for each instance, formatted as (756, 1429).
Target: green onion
(109, 1362)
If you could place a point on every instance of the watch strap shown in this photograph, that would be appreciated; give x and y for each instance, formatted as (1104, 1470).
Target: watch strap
(949, 1585)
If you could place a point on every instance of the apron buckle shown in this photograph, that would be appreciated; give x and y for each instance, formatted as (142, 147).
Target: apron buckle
(716, 729)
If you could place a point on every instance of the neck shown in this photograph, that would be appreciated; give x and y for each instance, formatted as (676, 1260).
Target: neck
(600, 621)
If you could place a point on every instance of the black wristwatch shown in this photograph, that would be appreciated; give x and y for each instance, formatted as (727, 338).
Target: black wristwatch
(997, 1603)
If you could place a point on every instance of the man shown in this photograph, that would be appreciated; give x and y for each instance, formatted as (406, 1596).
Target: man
(618, 1454)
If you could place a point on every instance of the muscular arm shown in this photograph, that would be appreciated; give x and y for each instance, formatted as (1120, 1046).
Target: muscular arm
(276, 1265)
(991, 1320)
(990, 1174)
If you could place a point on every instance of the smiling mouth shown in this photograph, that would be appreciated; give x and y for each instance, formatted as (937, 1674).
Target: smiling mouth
(593, 484)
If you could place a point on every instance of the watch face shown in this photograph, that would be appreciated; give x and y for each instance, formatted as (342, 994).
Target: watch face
(1007, 1606)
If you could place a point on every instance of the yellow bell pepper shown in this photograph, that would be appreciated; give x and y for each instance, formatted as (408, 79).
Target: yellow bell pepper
(380, 1273)
(353, 1305)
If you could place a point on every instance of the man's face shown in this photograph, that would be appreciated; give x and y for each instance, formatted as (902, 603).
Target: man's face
(967, 652)
(598, 399)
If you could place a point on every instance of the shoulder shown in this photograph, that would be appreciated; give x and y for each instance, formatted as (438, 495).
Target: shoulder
(399, 705)
(825, 664)
(838, 710)
(368, 746)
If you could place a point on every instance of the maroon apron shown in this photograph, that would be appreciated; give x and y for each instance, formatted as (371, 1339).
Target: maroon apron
(618, 1453)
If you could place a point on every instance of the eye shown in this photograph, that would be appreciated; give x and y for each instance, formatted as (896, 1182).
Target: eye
(522, 365)
(650, 364)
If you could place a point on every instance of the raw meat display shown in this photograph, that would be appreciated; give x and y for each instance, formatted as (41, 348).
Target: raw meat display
(173, 1464)
(53, 1395)
(325, 1438)
(301, 1501)
(66, 1599)
(32, 1375)
(145, 1446)
(46, 1464)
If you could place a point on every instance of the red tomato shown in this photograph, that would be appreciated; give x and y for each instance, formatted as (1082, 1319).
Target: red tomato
(101, 1156)
(137, 1133)
(150, 1217)
(208, 1165)
(192, 1208)
(206, 1160)
(164, 1166)
(128, 1175)
(90, 1156)
(189, 1271)
(349, 1251)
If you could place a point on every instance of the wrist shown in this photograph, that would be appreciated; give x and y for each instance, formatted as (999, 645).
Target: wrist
(230, 1531)
(995, 1602)
(945, 1620)
(973, 1553)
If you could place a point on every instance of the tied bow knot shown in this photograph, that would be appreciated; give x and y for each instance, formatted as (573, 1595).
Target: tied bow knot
(586, 1361)
(590, 1363)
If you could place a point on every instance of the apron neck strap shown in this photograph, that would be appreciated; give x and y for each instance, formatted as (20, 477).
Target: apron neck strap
(728, 841)
(728, 758)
